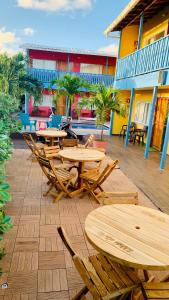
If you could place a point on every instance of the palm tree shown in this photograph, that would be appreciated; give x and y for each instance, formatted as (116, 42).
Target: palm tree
(14, 79)
(69, 86)
(103, 100)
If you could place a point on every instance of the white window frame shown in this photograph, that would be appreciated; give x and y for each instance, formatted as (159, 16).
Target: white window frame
(44, 64)
(144, 117)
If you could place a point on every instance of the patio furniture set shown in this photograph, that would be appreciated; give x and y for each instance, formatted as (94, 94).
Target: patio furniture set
(136, 134)
(128, 237)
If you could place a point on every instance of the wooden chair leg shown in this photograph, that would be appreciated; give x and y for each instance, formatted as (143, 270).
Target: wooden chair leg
(81, 294)
(59, 196)
(48, 191)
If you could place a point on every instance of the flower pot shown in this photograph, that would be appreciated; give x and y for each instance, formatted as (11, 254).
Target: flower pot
(100, 144)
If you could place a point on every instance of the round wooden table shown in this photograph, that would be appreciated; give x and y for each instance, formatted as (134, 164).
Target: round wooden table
(81, 156)
(52, 134)
(132, 235)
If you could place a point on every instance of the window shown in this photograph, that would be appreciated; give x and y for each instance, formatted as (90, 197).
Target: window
(92, 69)
(142, 112)
(44, 64)
(155, 37)
(47, 100)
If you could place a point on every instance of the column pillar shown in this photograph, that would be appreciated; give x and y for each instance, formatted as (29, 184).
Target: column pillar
(140, 30)
(165, 146)
(107, 65)
(68, 63)
(150, 123)
(129, 117)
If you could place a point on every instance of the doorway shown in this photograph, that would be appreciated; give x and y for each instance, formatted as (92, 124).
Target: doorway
(159, 122)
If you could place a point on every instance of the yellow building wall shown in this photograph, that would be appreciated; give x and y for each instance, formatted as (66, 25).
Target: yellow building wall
(146, 96)
(155, 25)
(151, 27)
(119, 121)
(129, 37)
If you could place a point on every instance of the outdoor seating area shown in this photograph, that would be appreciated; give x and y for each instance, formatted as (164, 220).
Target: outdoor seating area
(80, 231)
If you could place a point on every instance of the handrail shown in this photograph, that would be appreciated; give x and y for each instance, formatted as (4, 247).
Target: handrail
(152, 57)
(46, 76)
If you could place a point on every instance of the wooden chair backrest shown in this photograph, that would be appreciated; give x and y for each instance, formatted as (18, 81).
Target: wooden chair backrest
(66, 241)
(69, 142)
(47, 167)
(31, 143)
(155, 290)
(79, 264)
(51, 151)
(107, 171)
(89, 140)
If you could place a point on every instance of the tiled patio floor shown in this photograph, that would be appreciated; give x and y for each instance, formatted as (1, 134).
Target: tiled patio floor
(37, 266)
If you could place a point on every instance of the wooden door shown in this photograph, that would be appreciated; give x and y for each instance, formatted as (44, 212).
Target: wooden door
(159, 122)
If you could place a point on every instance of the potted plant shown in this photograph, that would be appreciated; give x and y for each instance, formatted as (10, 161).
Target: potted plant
(103, 99)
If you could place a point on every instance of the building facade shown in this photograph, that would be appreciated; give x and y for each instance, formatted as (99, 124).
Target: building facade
(47, 64)
(142, 71)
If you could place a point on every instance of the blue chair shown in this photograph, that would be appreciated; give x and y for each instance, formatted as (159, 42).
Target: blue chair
(25, 120)
(55, 122)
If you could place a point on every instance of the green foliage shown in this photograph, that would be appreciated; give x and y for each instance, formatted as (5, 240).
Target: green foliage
(69, 85)
(8, 106)
(14, 79)
(104, 99)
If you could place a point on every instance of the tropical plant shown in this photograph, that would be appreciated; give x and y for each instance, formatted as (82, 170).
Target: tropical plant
(5, 152)
(103, 99)
(69, 86)
(14, 79)
(8, 106)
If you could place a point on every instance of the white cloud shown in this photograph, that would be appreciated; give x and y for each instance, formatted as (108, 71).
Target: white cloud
(56, 5)
(110, 49)
(29, 31)
(8, 41)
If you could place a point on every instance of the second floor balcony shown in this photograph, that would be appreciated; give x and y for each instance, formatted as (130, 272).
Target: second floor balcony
(46, 76)
(153, 57)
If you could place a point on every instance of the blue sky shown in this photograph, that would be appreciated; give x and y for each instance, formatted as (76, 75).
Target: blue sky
(60, 23)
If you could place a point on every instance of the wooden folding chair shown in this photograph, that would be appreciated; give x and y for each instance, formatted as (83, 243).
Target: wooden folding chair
(69, 143)
(88, 142)
(103, 278)
(151, 290)
(34, 146)
(108, 198)
(93, 180)
(58, 178)
(51, 152)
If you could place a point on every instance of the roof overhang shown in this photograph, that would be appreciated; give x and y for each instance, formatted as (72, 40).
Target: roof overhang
(65, 50)
(131, 14)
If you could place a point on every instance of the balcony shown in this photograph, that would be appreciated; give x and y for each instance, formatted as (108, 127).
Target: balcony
(151, 58)
(46, 76)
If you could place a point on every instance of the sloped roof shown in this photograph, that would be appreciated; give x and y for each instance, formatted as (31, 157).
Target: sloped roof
(65, 50)
(131, 13)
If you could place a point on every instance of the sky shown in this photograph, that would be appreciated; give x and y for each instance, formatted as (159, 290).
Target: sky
(59, 23)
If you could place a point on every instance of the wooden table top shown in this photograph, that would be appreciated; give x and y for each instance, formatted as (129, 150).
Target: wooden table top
(52, 133)
(132, 235)
(82, 155)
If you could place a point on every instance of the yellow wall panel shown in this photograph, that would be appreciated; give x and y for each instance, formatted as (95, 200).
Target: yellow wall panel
(129, 38)
(119, 121)
(155, 25)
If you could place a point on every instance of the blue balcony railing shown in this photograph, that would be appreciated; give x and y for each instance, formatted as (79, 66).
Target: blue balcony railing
(151, 58)
(46, 76)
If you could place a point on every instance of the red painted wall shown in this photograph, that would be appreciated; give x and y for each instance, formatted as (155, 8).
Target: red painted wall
(76, 58)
